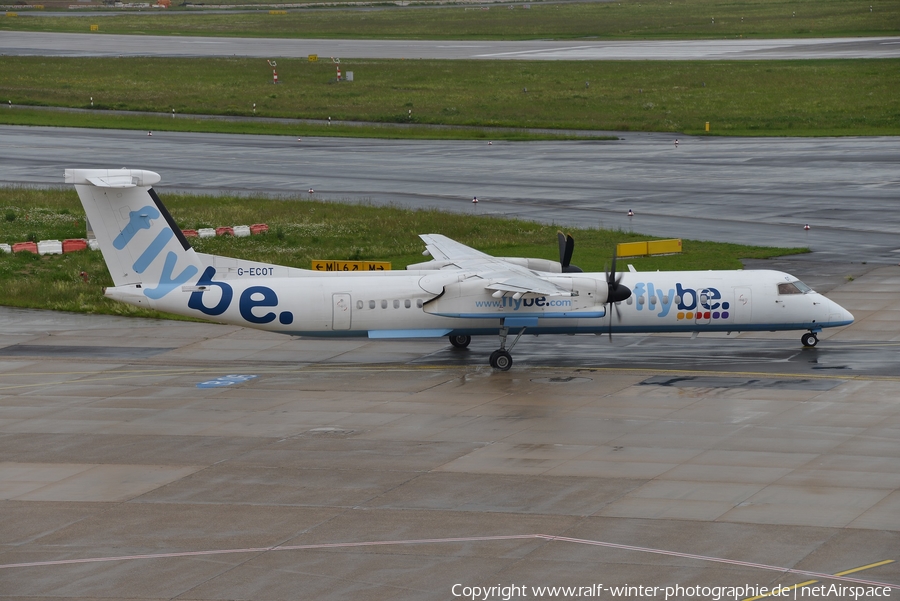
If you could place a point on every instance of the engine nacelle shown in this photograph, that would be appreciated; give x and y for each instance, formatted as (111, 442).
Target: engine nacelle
(472, 298)
(545, 265)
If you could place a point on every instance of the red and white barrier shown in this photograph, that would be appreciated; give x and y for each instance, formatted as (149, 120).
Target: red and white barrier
(55, 247)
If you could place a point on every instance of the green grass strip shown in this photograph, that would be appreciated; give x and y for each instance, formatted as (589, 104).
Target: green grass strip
(796, 98)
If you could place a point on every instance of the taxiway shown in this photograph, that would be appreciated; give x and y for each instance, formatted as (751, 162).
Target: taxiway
(73, 44)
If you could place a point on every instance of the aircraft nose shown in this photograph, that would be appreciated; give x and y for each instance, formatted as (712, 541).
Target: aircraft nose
(837, 313)
(846, 315)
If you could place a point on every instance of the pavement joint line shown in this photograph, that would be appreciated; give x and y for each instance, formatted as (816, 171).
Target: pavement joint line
(808, 582)
(622, 370)
(546, 537)
(376, 368)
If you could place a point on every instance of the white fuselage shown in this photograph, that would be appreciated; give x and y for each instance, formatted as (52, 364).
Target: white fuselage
(403, 304)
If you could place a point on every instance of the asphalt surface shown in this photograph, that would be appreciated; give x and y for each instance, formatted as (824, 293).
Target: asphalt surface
(845, 189)
(73, 44)
(147, 459)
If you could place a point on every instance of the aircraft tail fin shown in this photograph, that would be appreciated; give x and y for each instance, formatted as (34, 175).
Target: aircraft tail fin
(140, 242)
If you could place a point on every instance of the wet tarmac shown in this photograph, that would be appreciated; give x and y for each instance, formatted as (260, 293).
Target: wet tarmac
(147, 459)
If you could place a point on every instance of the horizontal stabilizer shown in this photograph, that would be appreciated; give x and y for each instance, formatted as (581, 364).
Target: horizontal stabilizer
(112, 178)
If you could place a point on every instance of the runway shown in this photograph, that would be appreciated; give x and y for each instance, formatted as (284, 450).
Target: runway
(81, 45)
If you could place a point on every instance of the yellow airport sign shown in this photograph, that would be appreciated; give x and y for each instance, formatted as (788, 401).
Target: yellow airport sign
(664, 247)
(313, 58)
(651, 247)
(277, 12)
(631, 249)
(351, 266)
(95, 28)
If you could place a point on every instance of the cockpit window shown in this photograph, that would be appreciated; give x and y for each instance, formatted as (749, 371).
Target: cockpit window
(803, 287)
(788, 288)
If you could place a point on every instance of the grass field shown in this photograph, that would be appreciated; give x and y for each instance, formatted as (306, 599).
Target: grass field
(658, 19)
(827, 97)
(300, 231)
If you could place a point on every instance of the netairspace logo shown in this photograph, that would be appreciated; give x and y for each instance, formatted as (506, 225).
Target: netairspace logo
(713, 593)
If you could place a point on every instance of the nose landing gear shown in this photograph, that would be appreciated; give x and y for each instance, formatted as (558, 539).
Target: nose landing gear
(501, 359)
(809, 339)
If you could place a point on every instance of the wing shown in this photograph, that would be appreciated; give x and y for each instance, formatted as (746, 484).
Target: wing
(443, 248)
(498, 274)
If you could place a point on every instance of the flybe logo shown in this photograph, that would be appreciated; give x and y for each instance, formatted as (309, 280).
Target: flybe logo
(168, 280)
(252, 298)
(705, 303)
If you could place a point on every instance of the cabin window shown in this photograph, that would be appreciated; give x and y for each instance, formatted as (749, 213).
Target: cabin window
(359, 304)
(788, 288)
(407, 304)
(396, 304)
(371, 304)
(384, 304)
(419, 303)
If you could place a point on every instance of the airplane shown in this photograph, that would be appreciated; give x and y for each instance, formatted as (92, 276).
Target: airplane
(461, 292)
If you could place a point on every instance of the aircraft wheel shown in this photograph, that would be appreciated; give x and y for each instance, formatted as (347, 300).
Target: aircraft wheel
(460, 341)
(501, 360)
(809, 339)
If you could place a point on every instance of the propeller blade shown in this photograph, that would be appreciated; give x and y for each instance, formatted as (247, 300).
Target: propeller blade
(611, 276)
(566, 248)
(561, 238)
(570, 248)
(616, 293)
(609, 312)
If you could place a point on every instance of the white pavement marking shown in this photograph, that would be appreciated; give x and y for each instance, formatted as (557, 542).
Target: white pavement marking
(468, 539)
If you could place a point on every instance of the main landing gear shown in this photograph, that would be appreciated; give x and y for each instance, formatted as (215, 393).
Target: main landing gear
(809, 339)
(460, 341)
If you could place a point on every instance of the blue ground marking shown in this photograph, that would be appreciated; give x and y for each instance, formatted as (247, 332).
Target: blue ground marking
(225, 381)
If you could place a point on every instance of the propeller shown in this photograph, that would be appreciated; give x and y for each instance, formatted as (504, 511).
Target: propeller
(566, 248)
(616, 292)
